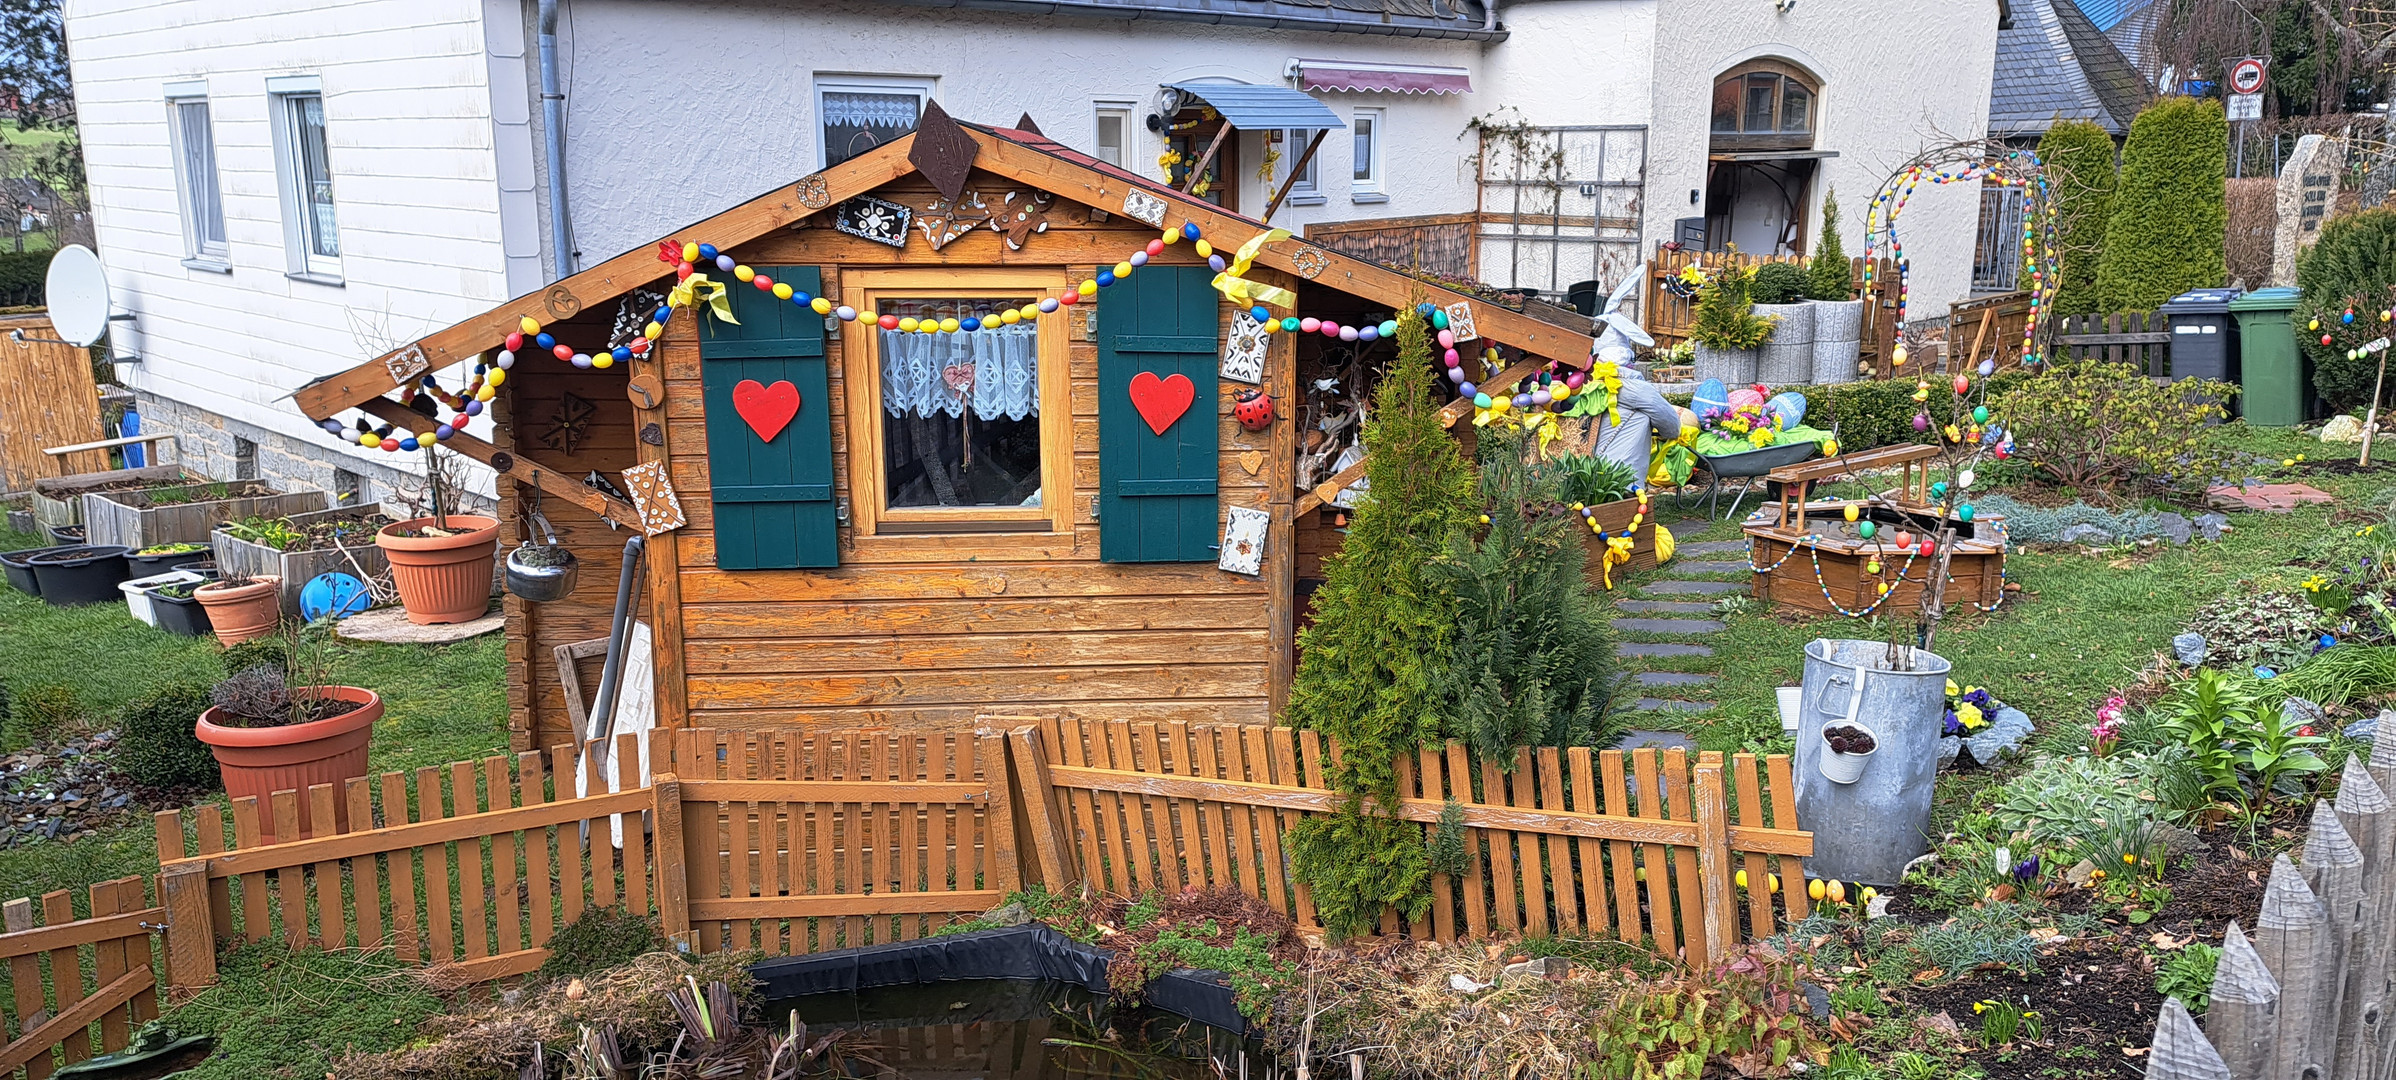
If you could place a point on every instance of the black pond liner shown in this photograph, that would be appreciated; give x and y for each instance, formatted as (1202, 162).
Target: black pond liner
(80, 575)
(20, 572)
(1015, 952)
(184, 615)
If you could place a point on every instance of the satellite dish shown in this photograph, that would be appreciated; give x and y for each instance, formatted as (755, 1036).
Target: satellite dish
(78, 295)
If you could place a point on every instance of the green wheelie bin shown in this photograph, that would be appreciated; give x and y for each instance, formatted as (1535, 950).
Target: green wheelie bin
(2277, 378)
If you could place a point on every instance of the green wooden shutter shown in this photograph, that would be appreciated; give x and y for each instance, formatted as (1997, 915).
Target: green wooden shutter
(1157, 492)
(773, 500)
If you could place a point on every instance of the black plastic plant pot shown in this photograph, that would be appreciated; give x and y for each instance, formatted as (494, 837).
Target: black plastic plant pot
(146, 565)
(205, 567)
(20, 570)
(80, 575)
(64, 535)
(181, 614)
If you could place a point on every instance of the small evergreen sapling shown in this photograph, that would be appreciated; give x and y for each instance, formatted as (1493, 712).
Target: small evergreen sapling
(1829, 276)
(2078, 157)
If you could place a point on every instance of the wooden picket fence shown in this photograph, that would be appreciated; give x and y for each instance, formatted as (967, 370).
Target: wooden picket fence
(2141, 339)
(801, 841)
(76, 987)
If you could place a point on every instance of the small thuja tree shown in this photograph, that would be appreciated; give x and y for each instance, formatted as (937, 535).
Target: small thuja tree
(2078, 158)
(1829, 276)
(1373, 673)
(2166, 230)
(1532, 660)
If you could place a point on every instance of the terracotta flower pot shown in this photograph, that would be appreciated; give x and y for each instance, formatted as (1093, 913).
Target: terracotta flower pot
(442, 579)
(242, 612)
(260, 761)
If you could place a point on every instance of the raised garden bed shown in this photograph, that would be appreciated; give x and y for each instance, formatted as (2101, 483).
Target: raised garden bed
(299, 547)
(58, 500)
(139, 519)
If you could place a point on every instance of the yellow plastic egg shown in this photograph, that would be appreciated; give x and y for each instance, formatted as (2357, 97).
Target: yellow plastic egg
(1010, 316)
(948, 326)
(1203, 248)
(494, 377)
(485, 394)
(1830, 448)
(1089, 287)
(603, 361)
(1853, 512)
(367, 438)
(528, 324)
(1897, 356)
(652, 330)
(1123, 269)
(1172, 236)
(743, 272)
(1560, 392)
(1031, 312)
(907, 324)
(821, 306)
(1740, 879)
(782, 290)
(690, 253)
(1884, 588)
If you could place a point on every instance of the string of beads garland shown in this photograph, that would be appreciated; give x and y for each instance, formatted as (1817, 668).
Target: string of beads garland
(1811, 544)
(2041, 257)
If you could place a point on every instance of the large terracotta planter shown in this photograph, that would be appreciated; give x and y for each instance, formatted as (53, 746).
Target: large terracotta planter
(442, 579)
(259, 761)
(241, 612)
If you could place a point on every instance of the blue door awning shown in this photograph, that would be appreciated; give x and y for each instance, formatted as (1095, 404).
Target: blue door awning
(1254, 107)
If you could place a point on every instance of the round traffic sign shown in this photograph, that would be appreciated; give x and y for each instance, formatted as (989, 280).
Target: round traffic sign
(2246, 76)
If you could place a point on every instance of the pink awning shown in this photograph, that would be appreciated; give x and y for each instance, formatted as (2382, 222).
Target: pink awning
(1393, 78)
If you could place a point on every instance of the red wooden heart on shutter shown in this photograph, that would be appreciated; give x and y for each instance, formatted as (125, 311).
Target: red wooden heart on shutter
(767, 409)
(1162, 401)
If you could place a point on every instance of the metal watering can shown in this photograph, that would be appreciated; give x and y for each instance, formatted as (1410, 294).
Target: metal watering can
(544, 571)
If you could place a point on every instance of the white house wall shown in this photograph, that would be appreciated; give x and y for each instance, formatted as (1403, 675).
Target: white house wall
(1897, 75)
(411, 134)
(680, 111)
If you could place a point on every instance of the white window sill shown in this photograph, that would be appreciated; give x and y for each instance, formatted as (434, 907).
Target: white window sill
(208, 263)
(1368, 197)
(1307, 200)
(314, 278)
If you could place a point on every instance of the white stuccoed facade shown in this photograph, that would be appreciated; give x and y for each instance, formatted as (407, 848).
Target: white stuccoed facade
(677, 111)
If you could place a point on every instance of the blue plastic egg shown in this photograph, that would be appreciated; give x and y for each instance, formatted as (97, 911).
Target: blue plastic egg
(725, 263)
(1138, 258)
(408, 444)
(969, 324)
(1522, 401)
(1368, 332)
(1048, 305)
(1105, 278)
(1189, 230)
(621, 352)
(1424, 310)
(444, 431)
(1216, 263)
(546, 341)
(474, 408)
(707, 251)
(801, 299)
(1467, 389)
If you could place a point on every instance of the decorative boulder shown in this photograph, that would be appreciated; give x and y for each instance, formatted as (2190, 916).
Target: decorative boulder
(2190, 649)
(2211, 526)
(2342, 429)
(2175, 527)
(2002, 738)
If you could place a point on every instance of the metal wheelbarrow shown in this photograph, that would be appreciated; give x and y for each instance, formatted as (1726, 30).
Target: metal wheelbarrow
(1746, 469)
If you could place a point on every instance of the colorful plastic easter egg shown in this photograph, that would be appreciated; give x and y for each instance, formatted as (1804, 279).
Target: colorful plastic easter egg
(1439, 319)
(1203, 249)
(1866, 530)
(1964, 512)
(1904, 538)
(1745, 396)
(1963, 383)
(1138, 258)
(1155, 248)
(1872, 566)
(1929, 547)
(1216, 263)
(1853, 512)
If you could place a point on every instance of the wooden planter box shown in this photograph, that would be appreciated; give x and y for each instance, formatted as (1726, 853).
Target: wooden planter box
(58, 500)
(237, 557)
(1976, 572)
(138, 523)
(1615, 517)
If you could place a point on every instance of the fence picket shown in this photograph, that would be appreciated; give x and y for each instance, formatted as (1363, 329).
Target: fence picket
(1476, 874)
(472, 913)
(1260, 770)
(66, 971)
(1519, 792)
(365, 883)
(1502, 879)
(1646, 767)
(1559, 847)
(246, 834)
(1592, 873)
(408, 934)
(441, 942)
(1626, 886)
(1684, 869)
(1748, 790)
(508, 918)
(539, 895)
(329, 914)
(25, 977)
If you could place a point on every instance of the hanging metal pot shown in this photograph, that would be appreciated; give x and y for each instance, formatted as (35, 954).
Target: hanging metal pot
(544, 571)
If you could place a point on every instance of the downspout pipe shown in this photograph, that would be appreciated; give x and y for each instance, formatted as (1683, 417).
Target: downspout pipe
(611, 674)
(553, 136)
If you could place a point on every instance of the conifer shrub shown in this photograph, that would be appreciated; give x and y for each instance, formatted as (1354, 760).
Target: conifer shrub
(1725, 316)
(2353, 266)
(2166, 231)
(1830, 276)
(1780, 283)
(155, 741)
(2081, 173)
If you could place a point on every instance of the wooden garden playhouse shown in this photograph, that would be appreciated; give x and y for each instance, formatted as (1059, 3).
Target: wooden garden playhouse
(856, 523)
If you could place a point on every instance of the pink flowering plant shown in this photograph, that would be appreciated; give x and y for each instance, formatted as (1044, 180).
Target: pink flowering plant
(2105, 734)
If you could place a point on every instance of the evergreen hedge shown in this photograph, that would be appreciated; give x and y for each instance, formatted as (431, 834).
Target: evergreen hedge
(2352, 266)
(2082, 174)
(2168, 226)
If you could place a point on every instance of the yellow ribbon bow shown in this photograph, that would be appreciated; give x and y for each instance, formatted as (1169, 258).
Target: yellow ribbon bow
(1618, 552)
(1246, 293)
(697, 289)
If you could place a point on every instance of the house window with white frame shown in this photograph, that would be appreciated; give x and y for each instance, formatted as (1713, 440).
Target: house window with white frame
(1304, 175)
(1113, 131)
(1365, 130)
(304, 168)
(192, 141)
(855, 113)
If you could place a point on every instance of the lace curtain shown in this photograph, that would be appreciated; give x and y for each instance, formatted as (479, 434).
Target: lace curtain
(854, 109)
(996, 371)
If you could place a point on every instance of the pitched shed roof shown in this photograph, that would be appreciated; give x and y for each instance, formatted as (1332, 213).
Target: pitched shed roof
(2053, 63)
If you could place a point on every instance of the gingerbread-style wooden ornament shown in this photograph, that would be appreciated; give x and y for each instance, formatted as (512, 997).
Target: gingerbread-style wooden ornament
(947, 219)
(646, 390)
(653, 495)
(942, 152)
(1023, 215)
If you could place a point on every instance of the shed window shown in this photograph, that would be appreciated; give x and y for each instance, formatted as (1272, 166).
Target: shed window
(1764, 104)
(959, 431)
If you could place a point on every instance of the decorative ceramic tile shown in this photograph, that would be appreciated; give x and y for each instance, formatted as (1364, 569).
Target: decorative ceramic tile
(1143, 206)
(1244, 350)
(1244, 540)
(878, 220)
(653, 495)
(406, 364)
(1460, 321)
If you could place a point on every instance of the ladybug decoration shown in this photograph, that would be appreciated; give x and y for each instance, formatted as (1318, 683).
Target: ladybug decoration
(1253, 409)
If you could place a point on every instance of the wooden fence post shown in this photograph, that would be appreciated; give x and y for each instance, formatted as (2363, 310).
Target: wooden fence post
(2180, 1051)
(673, 880)
(190, 930)
(1712, 810)
(1050, 840)
(2292, 938)
(1006, 869)
(2244, 1019)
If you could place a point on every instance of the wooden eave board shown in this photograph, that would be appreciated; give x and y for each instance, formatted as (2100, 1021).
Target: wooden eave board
(1002, 154)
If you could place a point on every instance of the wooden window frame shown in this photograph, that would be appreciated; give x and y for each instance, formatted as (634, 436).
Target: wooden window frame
(981, 526)
(1777, 138)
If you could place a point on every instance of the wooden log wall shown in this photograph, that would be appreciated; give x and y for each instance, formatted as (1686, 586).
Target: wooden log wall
(2306, 994)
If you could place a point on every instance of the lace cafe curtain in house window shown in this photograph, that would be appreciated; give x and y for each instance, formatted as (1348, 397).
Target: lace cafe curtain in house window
(964, 408)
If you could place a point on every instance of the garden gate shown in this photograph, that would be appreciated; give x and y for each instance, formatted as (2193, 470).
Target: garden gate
(76, 986)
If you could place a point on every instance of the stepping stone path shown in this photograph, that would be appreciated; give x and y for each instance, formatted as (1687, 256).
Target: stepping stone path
(1671, 612)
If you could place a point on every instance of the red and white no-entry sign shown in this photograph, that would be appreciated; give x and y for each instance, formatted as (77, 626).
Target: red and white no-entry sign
(2246, 75)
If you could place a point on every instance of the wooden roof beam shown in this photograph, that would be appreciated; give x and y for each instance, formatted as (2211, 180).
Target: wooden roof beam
(510, 465)
(611, 279)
